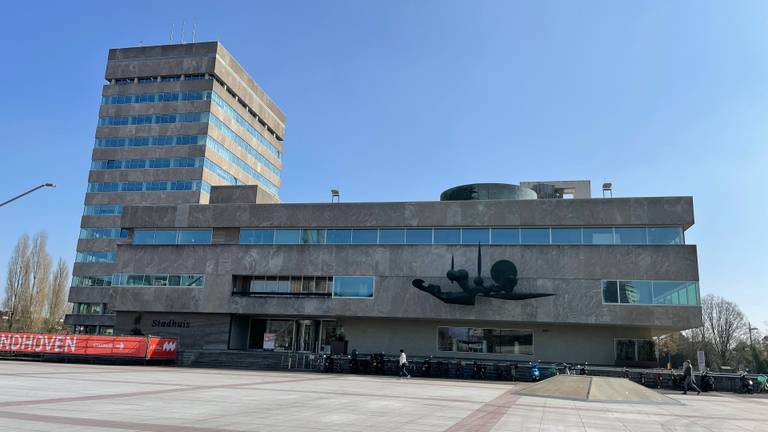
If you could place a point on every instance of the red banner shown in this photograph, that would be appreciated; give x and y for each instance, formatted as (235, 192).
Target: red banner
(148, 347)
(161, 348)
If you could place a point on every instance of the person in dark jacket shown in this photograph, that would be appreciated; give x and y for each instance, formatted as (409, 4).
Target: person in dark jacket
(688, 378)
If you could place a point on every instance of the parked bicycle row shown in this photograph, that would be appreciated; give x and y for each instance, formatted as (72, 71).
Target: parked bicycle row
(381, 364)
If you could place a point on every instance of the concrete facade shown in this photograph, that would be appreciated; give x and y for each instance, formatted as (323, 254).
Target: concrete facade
(575, 324)
(198, 67)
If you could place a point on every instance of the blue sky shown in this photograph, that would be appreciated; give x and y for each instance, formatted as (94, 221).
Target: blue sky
(399, 100)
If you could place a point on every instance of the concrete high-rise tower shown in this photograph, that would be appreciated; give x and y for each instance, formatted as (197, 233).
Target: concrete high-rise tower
(174, 120)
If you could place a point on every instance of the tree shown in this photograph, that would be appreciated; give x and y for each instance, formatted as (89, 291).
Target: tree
(34, 298)
(17, 282)
(57, 297)
(724, 325)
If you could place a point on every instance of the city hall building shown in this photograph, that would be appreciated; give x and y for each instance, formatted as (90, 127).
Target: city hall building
(183, 235)
(489, 271)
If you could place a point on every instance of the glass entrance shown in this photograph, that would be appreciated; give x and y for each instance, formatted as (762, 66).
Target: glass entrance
(306, 335)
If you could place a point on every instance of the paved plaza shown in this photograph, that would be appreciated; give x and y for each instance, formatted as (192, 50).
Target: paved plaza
(76, 397)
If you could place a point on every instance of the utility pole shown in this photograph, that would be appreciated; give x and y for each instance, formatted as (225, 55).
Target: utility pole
(28, 192)
(751, 346)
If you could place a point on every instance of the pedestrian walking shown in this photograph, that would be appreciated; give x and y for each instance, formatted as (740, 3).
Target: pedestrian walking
(688, 378)
(403, 365)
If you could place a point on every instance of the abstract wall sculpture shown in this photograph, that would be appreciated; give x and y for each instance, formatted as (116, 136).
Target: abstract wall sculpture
(503, 273)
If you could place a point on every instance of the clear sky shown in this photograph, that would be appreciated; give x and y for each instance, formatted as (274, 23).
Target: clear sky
(398, 100)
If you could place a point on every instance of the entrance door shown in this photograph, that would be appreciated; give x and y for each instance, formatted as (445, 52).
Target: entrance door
(256, 333)
(306, 335)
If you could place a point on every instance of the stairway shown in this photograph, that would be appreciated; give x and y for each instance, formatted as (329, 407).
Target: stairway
(259, 360)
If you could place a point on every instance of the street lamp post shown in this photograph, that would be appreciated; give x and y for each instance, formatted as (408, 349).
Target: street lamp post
(28, 192)
(751, 347)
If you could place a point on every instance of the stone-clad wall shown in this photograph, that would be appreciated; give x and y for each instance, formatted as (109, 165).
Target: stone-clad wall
(573, 273)
(577, 212)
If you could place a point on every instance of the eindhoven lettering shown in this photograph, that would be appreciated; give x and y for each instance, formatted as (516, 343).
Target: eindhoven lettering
(170, 323)
(38, 343)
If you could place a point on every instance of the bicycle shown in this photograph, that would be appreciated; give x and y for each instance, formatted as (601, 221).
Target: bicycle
(762, 384)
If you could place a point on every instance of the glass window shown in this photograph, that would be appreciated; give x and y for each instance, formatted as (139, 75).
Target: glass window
(418, 236)
(610, 292)
(258, 284)
(308, 284)
(339, 236)
(165, 237)
(283, 284)
(670, 292)
(322, 284)
(158, 280)
(639, 292)
(598, 235)
(353, 286)
(534, 235)
(365, 236)
(484, 340)
(447, 236)
(287, 236)
(313, 236)
(143, 237)
(625, 350)
(106, 330)
(257, 236)
(665, 235)
(630, 235)
(475, 235)
(192, 280)
(566, 235)
(505, 235)
(195, 236)
(283, 331)
(646, 350)
(693, 293)
(391, 236)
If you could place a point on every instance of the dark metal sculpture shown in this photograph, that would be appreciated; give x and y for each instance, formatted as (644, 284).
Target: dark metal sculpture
(503, 273)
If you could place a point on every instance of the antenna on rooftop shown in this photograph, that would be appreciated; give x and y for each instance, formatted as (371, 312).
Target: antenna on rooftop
(170, 37)
(182, 31)
(194, 29)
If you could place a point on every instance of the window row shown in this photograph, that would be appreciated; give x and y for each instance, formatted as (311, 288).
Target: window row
(485, 340)
(91, 309)
(222, 173)
(544, 235)
(172, 140)
(167, 78)
(632, 350)
(177, 185)
(146, 141)
(192, 77)
(93, 330)
(90, 281)
(171, 236)
(156, 97)
(103, 210)
(103, 233)
(172, 280)
(248, 169)
(245, 125)
(337, 286)
(145, 119)
(243, 144)
(650, 292)
(95, 257)
(115, 164)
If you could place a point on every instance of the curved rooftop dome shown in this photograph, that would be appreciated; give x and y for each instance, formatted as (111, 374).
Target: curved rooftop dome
(487, 191)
